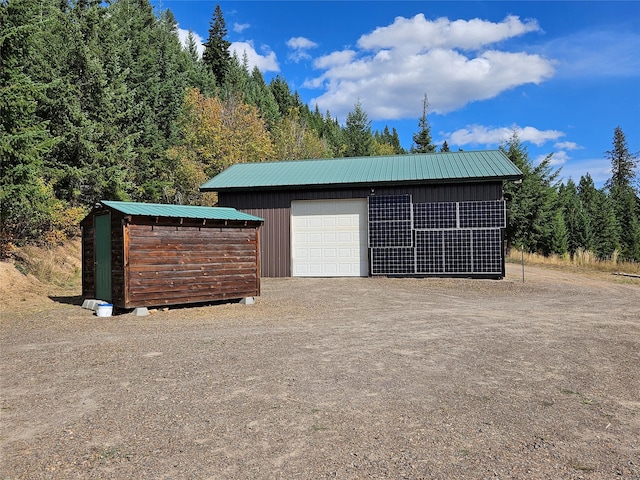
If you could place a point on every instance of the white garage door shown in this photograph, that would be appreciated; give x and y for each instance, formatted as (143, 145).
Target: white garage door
(329, 238)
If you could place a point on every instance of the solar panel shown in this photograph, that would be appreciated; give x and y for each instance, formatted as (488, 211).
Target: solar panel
(487, 251)
(429, 252)
(435, 215)
(389, 208)
(457, 251)
(390, 234)
(390, 222)
(392, 261)
(486, 214)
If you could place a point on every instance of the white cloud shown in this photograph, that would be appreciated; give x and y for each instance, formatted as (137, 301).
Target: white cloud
(183, 35)
(567, 146)
(489, 136)
(240, 27)
(396, 65)
(300, 43)
(418, 34)
(299, 47)
(265, 63)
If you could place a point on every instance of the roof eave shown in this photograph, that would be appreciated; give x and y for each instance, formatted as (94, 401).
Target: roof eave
(329, 186)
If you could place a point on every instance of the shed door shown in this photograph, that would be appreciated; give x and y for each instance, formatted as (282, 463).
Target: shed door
(329, 238)
(103, 257)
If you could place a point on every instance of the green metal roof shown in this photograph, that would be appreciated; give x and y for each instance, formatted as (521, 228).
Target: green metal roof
(180, 211)
(489, 165)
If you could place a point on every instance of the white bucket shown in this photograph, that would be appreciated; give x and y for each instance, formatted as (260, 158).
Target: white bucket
(104, 310)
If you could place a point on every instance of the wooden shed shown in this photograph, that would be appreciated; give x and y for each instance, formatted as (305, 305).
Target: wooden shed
(141, 254)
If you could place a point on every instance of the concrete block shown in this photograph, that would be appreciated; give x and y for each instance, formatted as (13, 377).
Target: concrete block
(140, 311)
(92, 304)
(248, 301)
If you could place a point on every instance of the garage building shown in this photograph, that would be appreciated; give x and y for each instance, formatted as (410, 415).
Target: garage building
(439, 214)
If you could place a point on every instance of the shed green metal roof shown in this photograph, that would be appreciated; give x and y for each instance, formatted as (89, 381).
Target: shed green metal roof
(478, 166)
(180, 211)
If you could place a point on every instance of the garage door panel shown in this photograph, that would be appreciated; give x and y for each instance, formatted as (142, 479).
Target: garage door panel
(330, 238)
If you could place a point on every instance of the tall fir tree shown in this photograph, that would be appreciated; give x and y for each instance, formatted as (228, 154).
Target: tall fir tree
(531, 220)
(216, 54)
(575, 218)
(422, 139)
(623, 162)
(623, 195)
(358, 138)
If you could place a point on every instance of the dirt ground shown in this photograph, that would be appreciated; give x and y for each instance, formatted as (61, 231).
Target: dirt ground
(329, 378)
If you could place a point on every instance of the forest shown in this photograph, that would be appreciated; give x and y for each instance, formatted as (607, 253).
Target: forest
(100, 101)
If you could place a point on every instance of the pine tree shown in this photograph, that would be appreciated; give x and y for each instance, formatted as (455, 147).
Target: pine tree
(216, 49)
(422, 139)
(531, 222)
(623, 163)
(444, 147)
(26, 201)
(357, 133)
(282, 94)
(575, 218)
(623, 195)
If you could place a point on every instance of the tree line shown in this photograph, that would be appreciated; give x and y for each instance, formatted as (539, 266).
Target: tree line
(101, 101)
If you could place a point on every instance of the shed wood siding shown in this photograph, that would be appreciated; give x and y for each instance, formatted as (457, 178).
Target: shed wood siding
(174, 265)
(275, 207)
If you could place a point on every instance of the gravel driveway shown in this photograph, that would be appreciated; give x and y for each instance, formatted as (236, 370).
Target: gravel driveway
(333, 378)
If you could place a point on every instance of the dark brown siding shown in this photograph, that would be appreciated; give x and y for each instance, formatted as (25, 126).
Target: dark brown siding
(88, 260)
(179, 265)
(276, 232)
(275, 208)
(117, 259)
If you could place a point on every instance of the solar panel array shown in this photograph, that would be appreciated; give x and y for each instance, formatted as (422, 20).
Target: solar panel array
(444, 238)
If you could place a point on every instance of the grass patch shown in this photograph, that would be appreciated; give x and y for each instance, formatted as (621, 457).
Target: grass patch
(583, 259)
(60, 266)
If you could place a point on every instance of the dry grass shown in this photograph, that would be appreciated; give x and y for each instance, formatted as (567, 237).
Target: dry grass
(60, 265)
(583, 259)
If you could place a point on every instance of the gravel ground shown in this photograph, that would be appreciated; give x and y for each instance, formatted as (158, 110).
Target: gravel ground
(332, 378)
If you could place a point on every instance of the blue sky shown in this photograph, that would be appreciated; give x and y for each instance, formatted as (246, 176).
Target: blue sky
(563, 74)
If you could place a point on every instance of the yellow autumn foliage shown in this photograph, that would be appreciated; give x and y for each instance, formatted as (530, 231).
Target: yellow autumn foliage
(216, 134)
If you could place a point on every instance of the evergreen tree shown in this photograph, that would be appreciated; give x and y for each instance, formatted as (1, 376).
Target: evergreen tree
(25, 200)
(623, 163)
(531, 222)
(627, 213)
(575, 218)
(332, 135)
(623, 196)
(357, 133)
(282, 94)
(605, 226)
(422, 139)
(444, 147)
(216, 49)
(259, 94)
